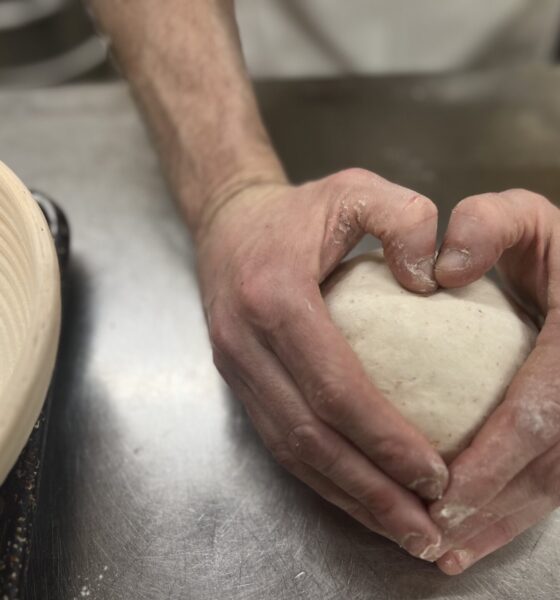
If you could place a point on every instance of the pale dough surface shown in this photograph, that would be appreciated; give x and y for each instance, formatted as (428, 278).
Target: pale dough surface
(443, 360)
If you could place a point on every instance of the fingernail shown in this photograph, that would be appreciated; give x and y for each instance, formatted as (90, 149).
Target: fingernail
(423, 272)
(453, 260)
(463, 559)
(426, 268)
(421, 546)
(431, 489)
(451, 566)
(426, 265)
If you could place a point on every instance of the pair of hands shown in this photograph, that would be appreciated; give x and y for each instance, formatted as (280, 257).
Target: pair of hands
(263, 254)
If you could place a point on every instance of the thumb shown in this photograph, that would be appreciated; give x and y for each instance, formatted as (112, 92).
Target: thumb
(481, 228)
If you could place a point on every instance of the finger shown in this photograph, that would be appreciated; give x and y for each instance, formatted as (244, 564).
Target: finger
(482, 228)
(280, 448)
(538, 484)
(333, 494)
(398, 511)
(497, 535)
(339, 393)
(304, 445)
(404, 221)
(317, 482)
(523, 427)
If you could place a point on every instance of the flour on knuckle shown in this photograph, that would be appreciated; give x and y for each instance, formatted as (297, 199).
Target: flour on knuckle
(536, 415)
(306, 443)
(329, 400)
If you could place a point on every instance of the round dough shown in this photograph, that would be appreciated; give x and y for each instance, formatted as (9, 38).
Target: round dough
(443, 360)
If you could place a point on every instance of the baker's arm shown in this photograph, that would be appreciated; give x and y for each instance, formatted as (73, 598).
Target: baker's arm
(184, 63)
(263, 248)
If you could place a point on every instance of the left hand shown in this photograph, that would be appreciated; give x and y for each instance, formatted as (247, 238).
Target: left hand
(509, 477)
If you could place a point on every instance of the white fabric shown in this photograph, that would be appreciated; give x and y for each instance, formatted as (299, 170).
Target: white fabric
(290, 38)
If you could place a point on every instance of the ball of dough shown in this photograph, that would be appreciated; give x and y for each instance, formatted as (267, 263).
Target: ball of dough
(443, 360)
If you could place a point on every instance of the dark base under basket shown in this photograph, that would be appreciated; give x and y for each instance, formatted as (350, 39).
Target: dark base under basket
(19, 493)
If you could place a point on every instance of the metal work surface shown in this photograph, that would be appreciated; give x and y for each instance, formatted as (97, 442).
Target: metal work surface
(155, 485)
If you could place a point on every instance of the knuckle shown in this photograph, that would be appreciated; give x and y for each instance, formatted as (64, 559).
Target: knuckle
(284, 456)
(524, 199)
(256, 294)
(505, 529)
(352, 507)
(474, 206)
(353, 177)
(523, 195)
(538, 425)
(309, 445)
(378, 502)
(221, 336)
(551, 486)
(221, 363)
(329, 401)
(423, 207)
(546, 479)
(391, 453)
(306, 442)
(355, 174)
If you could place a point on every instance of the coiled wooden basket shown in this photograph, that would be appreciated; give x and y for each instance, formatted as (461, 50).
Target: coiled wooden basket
(29, 315)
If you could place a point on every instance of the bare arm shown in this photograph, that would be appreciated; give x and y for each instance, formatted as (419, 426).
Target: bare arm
(188, 75)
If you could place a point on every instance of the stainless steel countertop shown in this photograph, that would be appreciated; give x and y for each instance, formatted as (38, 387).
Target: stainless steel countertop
(155, 485)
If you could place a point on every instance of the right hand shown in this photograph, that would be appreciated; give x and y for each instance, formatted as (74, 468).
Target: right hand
(262, 256)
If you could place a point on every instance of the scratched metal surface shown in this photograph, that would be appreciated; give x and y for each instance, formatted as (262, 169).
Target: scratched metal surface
(155, 485)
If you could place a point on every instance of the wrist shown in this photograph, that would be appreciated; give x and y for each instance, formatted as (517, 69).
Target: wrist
(220, 193)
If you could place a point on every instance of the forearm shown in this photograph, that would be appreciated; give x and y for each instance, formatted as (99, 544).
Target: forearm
(183, 60)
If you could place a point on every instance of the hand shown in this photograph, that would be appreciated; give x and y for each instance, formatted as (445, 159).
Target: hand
(509, 478)
(262, 257)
